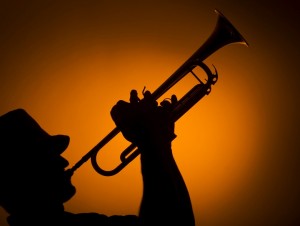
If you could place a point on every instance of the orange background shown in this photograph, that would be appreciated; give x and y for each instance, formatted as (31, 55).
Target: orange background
(68, 63)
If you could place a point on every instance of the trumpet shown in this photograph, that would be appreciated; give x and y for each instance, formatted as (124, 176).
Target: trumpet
(223, 34)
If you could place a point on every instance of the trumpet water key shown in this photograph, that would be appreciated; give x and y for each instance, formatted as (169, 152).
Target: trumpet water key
(224, 33)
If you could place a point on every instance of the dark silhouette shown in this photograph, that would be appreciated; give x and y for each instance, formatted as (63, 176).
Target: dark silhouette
(35, 183)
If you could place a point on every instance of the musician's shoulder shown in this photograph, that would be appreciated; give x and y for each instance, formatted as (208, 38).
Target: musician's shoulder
(96, 219)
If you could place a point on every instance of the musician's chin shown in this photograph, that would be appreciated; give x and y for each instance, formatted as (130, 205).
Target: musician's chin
(68, 193)
(68, 190)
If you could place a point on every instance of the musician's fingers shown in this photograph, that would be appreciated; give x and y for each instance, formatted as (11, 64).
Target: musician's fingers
(148, 100)
(147, 95)
(166, 104)
(134, 97)
(174, 99)
(119, 111)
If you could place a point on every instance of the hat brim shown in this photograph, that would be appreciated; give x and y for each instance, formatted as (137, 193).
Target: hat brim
(58, 143)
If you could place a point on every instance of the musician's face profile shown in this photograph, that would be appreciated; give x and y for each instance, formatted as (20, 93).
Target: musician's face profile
(53, 181)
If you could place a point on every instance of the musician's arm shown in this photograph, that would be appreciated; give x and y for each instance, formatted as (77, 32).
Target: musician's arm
(165, 198)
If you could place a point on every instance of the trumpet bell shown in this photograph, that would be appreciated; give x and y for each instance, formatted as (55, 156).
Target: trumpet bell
(227, 32)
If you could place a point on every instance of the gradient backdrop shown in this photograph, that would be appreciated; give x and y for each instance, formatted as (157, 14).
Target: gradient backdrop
(68, 62)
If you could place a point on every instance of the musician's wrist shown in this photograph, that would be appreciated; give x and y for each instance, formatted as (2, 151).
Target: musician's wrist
(154, 159)
(155, 140)
(155, 147)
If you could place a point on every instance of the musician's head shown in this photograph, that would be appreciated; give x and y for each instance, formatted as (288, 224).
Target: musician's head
(32, 170)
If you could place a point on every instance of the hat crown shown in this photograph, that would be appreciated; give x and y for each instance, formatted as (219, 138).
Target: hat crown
(18, 130)
(18, 126)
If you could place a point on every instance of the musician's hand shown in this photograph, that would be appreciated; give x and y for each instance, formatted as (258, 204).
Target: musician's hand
(143, 121)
